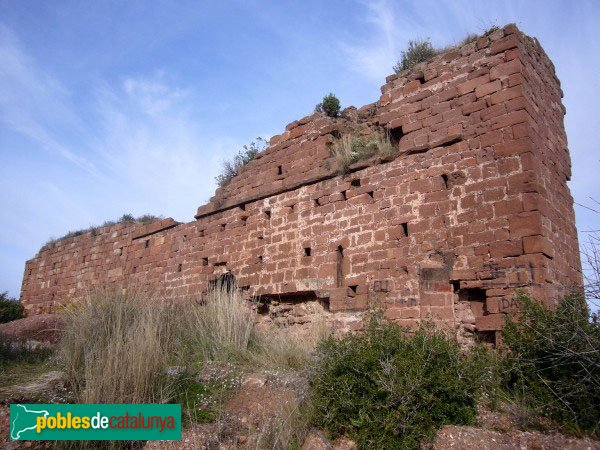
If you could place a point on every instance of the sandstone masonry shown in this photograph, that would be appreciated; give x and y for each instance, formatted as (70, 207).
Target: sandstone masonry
(473, 205)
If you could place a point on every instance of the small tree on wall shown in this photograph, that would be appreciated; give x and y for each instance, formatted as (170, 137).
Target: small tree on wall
(330, 105)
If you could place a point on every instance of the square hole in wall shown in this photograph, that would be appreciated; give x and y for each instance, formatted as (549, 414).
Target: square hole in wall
(355, 182)
(244, 220)
(147, 243)
(205, 261)
(279, 170)
(201, 233)
(268, 214)
(260, 259)
(223, 226)
(179, 267)
(307, 251)
(405, 229)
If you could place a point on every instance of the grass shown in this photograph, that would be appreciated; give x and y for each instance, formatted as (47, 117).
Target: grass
(116, 348)
(350, 148)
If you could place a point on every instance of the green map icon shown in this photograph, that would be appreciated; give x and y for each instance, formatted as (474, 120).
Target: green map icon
(24, 419)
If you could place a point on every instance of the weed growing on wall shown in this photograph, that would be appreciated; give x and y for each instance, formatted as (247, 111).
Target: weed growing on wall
(243, 157)
(330, 105)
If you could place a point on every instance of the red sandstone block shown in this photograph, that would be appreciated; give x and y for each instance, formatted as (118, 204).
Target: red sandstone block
(506, 95)
(411, 87)
(538, 244)
(506, 69)
(503, 44)
(513, 147)
(506, 248)
(509, 119)
(488, 88)
(490, 322)
(525, 224)
(471, 85)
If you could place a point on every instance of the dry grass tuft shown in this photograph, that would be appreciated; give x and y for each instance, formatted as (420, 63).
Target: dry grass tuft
(116, 347)
(350, 148)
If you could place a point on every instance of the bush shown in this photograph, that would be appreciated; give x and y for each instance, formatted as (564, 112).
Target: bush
(387, 389)
(555, 361)
(418, 51)
(330, 105)
(10, 308)
(231, 168)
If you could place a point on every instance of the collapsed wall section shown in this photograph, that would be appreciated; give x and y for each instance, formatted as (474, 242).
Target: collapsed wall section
(471, 205)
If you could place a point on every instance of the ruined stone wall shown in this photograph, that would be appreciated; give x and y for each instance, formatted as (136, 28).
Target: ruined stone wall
(471, 205)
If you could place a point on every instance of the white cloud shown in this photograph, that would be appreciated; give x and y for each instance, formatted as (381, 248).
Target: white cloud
(32, 103)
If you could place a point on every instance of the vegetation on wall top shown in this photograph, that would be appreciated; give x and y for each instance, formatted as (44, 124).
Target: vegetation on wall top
(93, 229)
(243, 157)
(330, 105)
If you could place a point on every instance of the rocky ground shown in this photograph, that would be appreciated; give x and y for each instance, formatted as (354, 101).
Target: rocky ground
(266, 408)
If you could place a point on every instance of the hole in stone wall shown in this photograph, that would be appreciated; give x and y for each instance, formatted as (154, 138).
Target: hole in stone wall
(243, 207)
(339, 266)
(395, 135)
(83, 259)
(486, 337)
(266, 301)
(205, 261)
(220, 263)
(307, 251)
(260, 259)
(30, 272)
(54, 265)
(344, 195)
(353, 288)
(355, 182)
(184, 237)
(445, 179)
(405, 229)
(421, 78)
(223, 226)
(268, 214)
(201, 233)
(370, 194)
(279, 170)
(317, 203)
(244, 220)
(260, 237)
(179, 267)
(455, 285)
(147, 243)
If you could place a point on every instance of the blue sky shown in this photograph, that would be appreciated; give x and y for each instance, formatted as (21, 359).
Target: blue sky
(112, 107)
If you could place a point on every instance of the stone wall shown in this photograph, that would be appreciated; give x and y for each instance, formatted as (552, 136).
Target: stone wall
(471, 205)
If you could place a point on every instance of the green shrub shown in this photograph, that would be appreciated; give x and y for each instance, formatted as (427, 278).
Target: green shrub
(10, 308)
(330, 105)
(418, 51)
(387, 389)
(555, 361)
(243, 157)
